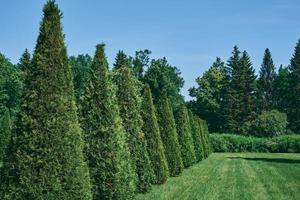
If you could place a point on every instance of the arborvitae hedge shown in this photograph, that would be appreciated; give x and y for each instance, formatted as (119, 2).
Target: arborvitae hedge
(196, 133)
(129, 99)
(107, 153)
(169, 136)
(204, 137)
(5, 131)
(155, 147)
(209, 148)
(185, 139)
(46, 159)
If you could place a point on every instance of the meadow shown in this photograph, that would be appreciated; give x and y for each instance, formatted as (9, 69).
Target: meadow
(235, 176)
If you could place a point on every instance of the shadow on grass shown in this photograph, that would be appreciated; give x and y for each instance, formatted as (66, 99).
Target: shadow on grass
(276, 160)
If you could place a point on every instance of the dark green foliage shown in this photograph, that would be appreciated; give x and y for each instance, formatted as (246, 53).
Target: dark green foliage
(129, 100)
(107, 153)
(164, 78)
(169, 136)
(281, 85)
(45, 159)
(24, 63)
(266, 83)
(185, 138)
(80, 65)
(196, 133)
(140, 62)
(209, 94)
(204, 138)
(155, 147)
(268, 124)
(5, 131)
(10, 85)
(238, 143)
(294, 91)
(239, 102)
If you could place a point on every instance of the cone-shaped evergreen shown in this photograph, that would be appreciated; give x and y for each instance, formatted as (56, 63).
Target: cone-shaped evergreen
(185, 139)
(106, 149)
(25, 60)
(265, 82)
(154, 143)
(294, 86)
(5, 131)
(169, 136)
(46, 159)
(129, 99)
(204, 137)
(196, 133)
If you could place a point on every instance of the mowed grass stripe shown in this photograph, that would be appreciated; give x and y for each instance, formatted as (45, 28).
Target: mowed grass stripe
(230, 176)
(276, 181)
(250, 186)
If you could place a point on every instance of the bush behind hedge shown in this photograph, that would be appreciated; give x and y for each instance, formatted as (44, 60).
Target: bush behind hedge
(238, 143)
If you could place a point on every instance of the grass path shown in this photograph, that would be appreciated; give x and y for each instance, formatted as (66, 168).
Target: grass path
(235, 176)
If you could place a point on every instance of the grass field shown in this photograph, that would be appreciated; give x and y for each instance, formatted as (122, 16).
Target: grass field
(235, 176)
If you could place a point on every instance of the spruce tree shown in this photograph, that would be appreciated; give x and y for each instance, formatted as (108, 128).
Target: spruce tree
(196, 133)
(294, 91)
(185, 139)
(46, 154)
(129, 100)
(106, 151)
(266, 82)
(169, 136)
(155, 147)
(239, 100)
(5, 131)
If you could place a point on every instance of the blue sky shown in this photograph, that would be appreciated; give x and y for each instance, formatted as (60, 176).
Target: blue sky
(189, 33)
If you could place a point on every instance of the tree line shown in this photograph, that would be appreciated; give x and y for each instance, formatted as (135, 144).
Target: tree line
(230, 96)
(72, 128)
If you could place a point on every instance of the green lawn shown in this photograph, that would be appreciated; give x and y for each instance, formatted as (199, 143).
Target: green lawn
(235, 176)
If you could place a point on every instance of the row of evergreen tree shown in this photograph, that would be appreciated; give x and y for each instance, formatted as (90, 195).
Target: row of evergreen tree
(229, 95)
(113, 141)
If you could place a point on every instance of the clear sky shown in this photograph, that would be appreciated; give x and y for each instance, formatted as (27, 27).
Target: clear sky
(190, 33)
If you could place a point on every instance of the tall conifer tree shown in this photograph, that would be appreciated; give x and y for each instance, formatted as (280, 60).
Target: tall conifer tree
(129, 99)
(294, 89)
(265, 82)
(106, 149)
(239, 101)
(185, 139)
(46, 156)
(169, 136)
(155, 147)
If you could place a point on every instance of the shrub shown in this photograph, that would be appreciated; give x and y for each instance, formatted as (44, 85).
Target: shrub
(129, 100)
(106, 150)
(239, 143)
(268, 124)
(185, 139)
(45, 159)
(169, 137)
(155, 146)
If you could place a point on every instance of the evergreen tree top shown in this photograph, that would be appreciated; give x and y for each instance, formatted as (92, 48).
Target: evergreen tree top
(267, 65)
(295, 61)
(100, 57)
(121, 60)
(50, 34)
(24, 60)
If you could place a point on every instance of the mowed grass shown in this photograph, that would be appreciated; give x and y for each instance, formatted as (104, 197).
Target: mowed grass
(235, 176)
